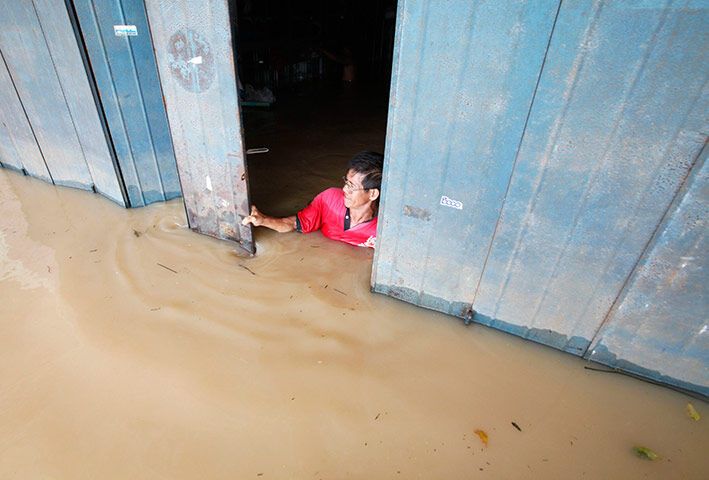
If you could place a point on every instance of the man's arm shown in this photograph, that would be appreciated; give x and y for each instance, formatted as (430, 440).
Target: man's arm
(258, 219)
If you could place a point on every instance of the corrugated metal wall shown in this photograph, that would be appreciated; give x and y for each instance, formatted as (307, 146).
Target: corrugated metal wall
(196, 63)
(526, 182)
(127, 80)
(18, 146)
(43, 68)
(463, 81)
(611, 135)
(658, 328)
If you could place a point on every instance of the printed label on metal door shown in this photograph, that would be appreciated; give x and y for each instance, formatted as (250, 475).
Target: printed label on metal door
(125, 30)
(449, 202)
(191, 60)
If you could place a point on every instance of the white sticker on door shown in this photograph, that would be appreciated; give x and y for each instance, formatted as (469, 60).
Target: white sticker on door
(449, 202)
(125, 30)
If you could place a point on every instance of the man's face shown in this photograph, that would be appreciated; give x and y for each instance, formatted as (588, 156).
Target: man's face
(355, 195)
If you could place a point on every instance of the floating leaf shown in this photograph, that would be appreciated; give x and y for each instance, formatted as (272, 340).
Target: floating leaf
(482, 435)
(646, 453)
(693, 413)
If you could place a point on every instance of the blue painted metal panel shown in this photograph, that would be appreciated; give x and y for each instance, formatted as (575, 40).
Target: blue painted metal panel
(193, 48)
(659, 327)
(129, 88)
(32, 69)
(18, 147)
(464, 76)
(74, 83)
(47, 71)
(611, 135)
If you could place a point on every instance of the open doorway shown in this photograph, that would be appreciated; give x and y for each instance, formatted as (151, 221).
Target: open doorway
(314, 81)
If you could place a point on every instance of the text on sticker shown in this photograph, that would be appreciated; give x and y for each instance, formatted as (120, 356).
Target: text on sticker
(125, 30)
(449, 202)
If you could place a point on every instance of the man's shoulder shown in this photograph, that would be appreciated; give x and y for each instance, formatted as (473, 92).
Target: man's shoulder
(333, 192)
(332, 195)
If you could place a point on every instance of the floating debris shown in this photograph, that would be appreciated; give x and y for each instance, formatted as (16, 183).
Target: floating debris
(693, 413)
(247, 269)
(167, 268)
(483, 436)
(646, 453)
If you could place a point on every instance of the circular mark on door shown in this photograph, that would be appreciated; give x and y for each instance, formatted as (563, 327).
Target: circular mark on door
(191, 60)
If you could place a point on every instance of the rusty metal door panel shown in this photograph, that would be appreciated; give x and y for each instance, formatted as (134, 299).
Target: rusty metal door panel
(193, 47)
(658, 328)
(18, 147)
(611, 135)
(43, 58)
(127, 80)
(463, 80)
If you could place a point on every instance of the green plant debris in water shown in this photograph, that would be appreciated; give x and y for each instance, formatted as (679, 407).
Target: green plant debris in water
(693, 413)
(646, 453)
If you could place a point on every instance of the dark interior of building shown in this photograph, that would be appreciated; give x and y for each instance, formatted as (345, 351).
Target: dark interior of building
(314, 85)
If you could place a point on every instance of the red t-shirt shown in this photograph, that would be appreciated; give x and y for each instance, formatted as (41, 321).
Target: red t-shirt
(327, 212)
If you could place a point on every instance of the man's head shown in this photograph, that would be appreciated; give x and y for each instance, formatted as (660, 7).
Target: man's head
(363, 181)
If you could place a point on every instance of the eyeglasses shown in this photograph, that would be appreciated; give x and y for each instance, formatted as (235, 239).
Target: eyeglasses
(350, 187)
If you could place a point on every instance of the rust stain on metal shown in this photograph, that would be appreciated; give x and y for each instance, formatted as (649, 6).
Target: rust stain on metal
(416, 212)
(191, 60)
(227, 230)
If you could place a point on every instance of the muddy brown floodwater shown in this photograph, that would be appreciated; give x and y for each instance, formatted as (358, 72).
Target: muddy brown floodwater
(131, 347)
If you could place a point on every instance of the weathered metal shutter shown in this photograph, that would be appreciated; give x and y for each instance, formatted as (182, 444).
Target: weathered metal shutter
(530, 161)
(120, 48)
(658, 328)
(196, 63)
(464, 78)
(18, 146)
(45, 70)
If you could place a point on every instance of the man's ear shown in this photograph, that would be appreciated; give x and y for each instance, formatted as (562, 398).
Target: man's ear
(373, 194)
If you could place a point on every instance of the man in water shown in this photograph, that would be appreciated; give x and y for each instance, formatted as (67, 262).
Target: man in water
(347, 214)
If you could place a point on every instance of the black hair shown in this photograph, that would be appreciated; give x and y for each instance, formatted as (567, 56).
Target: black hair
(370, 165)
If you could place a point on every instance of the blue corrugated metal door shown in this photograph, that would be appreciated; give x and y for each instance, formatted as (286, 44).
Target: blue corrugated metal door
(530, 160)
(18, 147)
(43, 68)
(610, 138)
(119, 46)
(464, 78)
(658, 328)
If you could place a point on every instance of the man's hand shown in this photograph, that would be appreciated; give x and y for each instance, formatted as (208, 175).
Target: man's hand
(256, 218)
